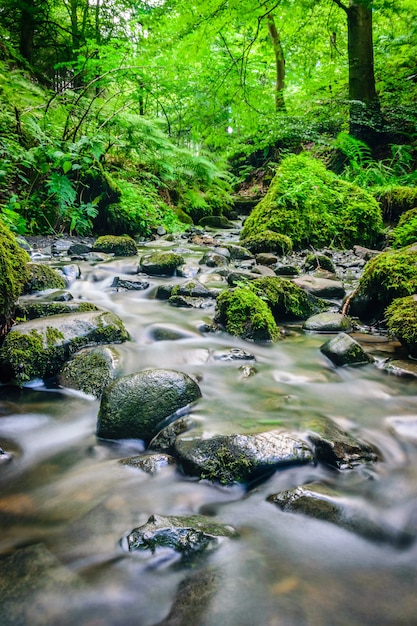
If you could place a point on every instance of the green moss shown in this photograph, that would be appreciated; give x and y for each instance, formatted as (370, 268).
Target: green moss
(34, 310)
(285, 299)
(224, 466)
(246, 315)
(312, 206)
(40, 359)
(389, 275)
(268, 241)
(120, 245)
(161, 263)
(13, 275)
(405, 233)
(42, 277)
(401, 320)
(395, 200)
(318, 261)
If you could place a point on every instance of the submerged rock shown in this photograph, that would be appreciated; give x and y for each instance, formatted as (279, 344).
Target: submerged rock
(38, 348)
(323, 503)
(344, 350)
(241, 458)
(187, 536)
(136, 406)
(129, 285)
(335, 447)
(149, 463)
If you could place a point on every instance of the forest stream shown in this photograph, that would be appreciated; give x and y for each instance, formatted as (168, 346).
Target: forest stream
(66, 502)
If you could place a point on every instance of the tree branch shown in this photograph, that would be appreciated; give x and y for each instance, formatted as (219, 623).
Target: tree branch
(341, 5)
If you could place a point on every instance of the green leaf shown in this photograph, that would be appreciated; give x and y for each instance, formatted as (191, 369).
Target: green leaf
(66, 166)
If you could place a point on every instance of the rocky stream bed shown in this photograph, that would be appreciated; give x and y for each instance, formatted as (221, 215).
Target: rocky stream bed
(157, 469)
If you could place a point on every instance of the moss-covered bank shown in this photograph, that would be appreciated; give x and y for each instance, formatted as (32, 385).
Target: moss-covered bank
(13, 275)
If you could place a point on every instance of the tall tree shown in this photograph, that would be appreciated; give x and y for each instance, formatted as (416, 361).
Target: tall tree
(279, 63)
(365, 110)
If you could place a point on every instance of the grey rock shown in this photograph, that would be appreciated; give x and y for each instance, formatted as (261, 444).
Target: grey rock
(344, 350)
(129, 285)
(321, 287)
(166, 437)
(241, 458)
(149, 463)
(328, 322)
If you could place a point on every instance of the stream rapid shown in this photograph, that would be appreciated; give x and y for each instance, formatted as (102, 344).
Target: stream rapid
(66, 501)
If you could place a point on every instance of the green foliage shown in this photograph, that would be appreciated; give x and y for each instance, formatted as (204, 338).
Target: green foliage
(13, 275)
(405, 233)
(389, 275)
(313, 207)
(285, 299)
(246, 315)
(268, 241)
(401, 320)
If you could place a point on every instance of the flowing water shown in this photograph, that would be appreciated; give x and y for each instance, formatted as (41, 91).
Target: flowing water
(66, 502)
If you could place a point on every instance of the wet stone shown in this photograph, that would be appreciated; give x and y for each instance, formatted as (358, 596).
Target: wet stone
(403, 427)
(328, 322)
(335, 447)
(323, 503)
(149, 463)
(166, 437)
(186, 536)
(344, 350)
(240, 458)
(129, 285)
(321, 287)
(234, 354)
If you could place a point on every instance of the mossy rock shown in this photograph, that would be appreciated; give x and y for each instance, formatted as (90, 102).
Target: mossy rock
(39, 348)
(285, 299)
(268, 241)
(318, 261)
(13, 275)
(216, 221)
(42, 277)
(395, 201)
(90, 370)
(405, 233)
(314, 207)
(161, 263)
(344, 350)
(401, 320)
(246, 315)
(119, 245)
(137, 406)
(390, 275)
(32, 309)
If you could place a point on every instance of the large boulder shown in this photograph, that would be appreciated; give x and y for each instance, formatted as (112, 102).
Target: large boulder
(13, 275)
(90, 370)
(314, 207)
(161, 263)
(120, 245)
(38, 348)
(241, 458)
(42, 277)
(344, 350)
(138, 405)
(285, 299)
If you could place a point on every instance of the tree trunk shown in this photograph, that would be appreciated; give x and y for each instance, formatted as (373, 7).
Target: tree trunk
(27, 29)
(279, 64)
(365, 112)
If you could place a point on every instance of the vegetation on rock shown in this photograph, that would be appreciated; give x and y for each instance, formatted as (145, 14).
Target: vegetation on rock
(285, 299)
(120, 245)
(401, 320)
(13, 275)
(405, 233)
(313, 207)
(246, 315)
(41, 277)
(268, 241)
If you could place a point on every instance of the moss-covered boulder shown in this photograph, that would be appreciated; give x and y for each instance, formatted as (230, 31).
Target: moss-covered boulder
(314, 207)
(328, 322)
(119, 245)
(268, 241)
(137, 406)
(285, 299)
(90, 370)
(246, 315)
(391, 274)
(39, 348)
(161, 263)
(42, 277)
(405, 233)
(13, 275)
(401, 320)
